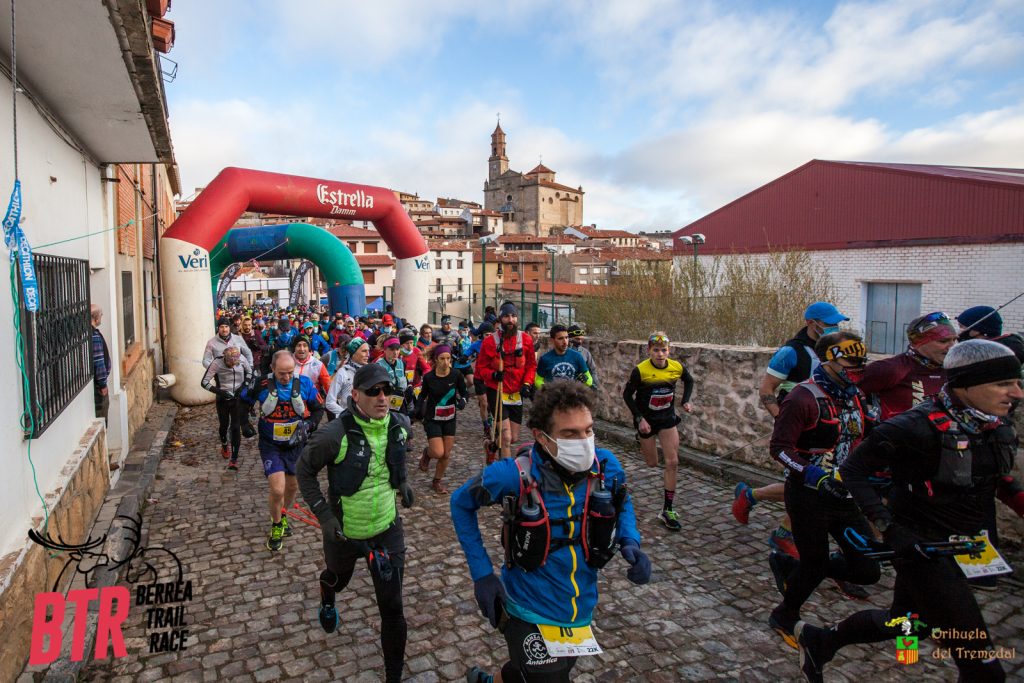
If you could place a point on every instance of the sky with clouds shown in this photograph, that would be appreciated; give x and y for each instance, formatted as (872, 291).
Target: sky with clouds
(662, 109)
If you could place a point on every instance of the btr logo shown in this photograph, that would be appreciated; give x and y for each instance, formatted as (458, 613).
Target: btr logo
(113, 609)
(193, 261)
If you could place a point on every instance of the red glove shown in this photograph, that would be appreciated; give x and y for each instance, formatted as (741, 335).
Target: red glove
(1010, 493)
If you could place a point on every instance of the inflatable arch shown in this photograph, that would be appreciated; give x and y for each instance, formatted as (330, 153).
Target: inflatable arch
(345, 290)
(186, 246)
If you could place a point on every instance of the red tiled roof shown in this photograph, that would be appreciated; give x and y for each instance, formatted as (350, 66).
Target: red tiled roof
(535, 239)
(559, 186)
(349, 232)
(374, 260)
(485, 212)
(435, 244)
(539, 168)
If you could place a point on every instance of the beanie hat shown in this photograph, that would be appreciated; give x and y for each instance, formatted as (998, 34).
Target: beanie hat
(980, 361)
(984, 319)
(508, 308)
(405, 336)
(354, 344)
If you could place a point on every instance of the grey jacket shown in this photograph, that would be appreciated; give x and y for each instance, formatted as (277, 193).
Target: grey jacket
(220, 376)
(215, 349)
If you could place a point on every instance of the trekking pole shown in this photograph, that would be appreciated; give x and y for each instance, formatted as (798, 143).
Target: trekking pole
(979, 320)
(874, 551)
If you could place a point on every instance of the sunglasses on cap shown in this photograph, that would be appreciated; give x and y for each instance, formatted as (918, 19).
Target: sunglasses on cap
(932, 320)
(377, 390)
(657, 339)
(850, 349)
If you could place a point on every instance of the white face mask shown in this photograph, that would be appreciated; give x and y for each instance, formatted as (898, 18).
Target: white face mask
(575, 455)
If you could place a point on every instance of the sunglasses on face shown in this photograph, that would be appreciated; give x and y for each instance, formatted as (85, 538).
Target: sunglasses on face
(378, 390)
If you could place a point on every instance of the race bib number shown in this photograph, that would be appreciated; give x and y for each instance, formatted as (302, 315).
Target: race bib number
(283, 432)
(577, 641)
(396, 402)
(416, 391)
(660, 401)
(990, 563)
(513, 399)
(409, 374)
(444, 413)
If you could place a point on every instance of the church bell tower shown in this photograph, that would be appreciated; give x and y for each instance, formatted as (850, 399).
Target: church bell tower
(498, 162)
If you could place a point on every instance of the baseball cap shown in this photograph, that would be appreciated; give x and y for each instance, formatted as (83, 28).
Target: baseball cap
(825, 312)
(308, 326)
(369, 376)
(387, 319)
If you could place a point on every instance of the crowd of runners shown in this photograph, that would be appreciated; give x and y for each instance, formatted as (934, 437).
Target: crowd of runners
(900, 460)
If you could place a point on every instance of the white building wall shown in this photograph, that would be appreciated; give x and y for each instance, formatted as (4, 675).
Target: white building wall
(952, 277)
(62, 198)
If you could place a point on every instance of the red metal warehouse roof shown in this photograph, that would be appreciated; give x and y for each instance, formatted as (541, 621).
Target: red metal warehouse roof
(849, 205)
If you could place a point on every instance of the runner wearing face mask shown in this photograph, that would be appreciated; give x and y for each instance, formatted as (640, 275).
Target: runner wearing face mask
(569, 502)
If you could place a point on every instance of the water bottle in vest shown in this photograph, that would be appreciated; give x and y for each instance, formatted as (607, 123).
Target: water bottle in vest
(531, 534)
(599, 534)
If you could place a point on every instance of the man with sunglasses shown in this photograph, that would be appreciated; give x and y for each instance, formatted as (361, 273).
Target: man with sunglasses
(364, 451)
(901, 382)
(821, 421)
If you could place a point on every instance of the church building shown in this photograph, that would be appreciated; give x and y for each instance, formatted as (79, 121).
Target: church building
(531, 203)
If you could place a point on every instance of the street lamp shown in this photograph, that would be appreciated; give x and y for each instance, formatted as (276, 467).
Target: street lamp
(552, 251)
(484, 241)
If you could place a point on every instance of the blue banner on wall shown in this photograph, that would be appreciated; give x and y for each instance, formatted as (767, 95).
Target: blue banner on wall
(17, 244)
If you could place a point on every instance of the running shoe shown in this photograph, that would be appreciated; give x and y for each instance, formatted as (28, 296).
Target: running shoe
(984, 583)
(276, 538)
(783, 625)
(438, 487)
(286, 525)
(782, 566)
(328, 618)
(851, 591)
(743, 500)
(233, 465)
(670, 518)
(814, 654)
(425, 461)
(225, 452)
(781, 540)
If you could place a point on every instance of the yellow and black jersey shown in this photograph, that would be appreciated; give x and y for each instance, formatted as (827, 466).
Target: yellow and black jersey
(651, 390)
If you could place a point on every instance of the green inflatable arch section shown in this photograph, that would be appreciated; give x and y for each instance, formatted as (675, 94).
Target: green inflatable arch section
(345, 289)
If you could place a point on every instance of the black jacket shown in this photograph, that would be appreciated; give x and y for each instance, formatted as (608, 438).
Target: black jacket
(910, 446)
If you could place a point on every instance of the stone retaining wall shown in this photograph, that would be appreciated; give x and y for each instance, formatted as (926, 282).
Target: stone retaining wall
(32, 570)
(139, 391)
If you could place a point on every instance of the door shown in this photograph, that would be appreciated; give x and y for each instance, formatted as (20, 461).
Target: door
(891, 306)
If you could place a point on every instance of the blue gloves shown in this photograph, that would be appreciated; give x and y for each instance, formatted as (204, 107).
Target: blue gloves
(639, 571)
(490, 596)
(823, 481)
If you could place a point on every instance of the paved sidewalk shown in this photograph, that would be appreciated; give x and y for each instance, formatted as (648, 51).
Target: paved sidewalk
(253, 615)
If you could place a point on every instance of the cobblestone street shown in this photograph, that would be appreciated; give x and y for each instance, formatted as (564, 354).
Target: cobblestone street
(253, 614)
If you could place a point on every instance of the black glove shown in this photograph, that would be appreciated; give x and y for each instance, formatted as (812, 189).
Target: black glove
(527, 391)
(823, 481)
(331, 527)
(225, 394)
(490, 596)
(460, 403)
(498, 375)
(408, 497)
(248, 431)
(904, 542)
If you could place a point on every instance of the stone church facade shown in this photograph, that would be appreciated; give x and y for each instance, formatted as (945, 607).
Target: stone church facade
(532, 203)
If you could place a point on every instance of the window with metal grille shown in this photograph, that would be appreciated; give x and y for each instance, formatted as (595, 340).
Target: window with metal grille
(58, 340)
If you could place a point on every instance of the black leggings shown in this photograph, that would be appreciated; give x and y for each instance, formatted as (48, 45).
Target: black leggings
(939, 594)
(341, 562)
(816, 516)
(230, 415)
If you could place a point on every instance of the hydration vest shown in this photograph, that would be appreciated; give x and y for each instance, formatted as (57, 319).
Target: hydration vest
(346, 477)
(955, 457)
(272, 412)
(527, 538)
(518, 353)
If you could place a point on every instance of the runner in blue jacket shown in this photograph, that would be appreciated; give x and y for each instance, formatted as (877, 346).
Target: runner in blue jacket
(570, 477)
